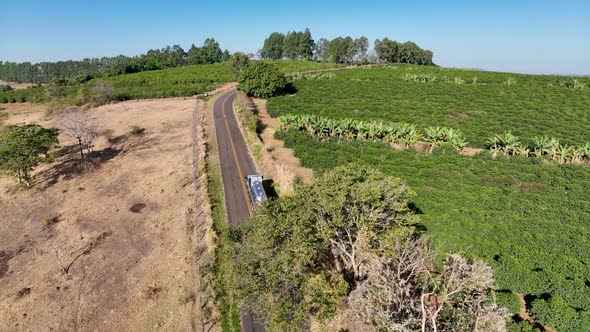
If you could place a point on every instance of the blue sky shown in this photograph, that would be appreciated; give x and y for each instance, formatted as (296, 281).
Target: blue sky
(520, 36)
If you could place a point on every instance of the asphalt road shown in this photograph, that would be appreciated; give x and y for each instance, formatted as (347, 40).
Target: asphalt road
(236, 164)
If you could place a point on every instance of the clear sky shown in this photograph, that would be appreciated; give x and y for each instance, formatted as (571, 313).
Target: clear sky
(521, 36)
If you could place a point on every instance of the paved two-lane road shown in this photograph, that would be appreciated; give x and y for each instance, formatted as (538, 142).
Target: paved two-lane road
(236, 164)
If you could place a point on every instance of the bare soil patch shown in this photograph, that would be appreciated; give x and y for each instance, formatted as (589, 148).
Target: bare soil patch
(280, 162)
(126, 223)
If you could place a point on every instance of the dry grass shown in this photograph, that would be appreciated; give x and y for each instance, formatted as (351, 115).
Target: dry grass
(140, 192)
(278, 162)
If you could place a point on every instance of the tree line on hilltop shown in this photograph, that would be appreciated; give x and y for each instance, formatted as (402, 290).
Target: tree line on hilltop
(301, 46)
(86, 69)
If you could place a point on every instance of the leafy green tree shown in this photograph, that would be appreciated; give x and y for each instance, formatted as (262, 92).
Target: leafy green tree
(273, 46)
(193, 55)
(261, 79)
(226, 56)
(291, 45)
(299, 255)
(361, 47)
(239, 62)
(306, 45)
(23, 147)
(321, 50)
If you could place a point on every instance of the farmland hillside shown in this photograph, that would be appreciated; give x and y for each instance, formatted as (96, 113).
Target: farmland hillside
(479, 103)
(172, 82)
(527, 217)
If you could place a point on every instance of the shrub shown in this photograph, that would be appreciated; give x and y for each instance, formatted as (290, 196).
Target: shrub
(262, 80)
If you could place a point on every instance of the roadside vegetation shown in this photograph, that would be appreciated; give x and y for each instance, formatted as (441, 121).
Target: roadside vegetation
(526, 218)
(480, 104)
(333, 242)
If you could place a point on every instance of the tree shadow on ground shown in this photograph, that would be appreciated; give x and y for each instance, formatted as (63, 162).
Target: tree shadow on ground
(69, 164)
(290, 89)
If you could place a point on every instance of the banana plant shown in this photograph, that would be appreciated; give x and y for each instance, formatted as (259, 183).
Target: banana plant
(585, 152)
(563, 154)
(433, 135)
(543, 145)
(455, 137)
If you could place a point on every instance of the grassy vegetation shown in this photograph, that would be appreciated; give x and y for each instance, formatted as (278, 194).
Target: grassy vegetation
(173, 82)
(33, 94)
(478, 103)
(225, 277)
(527, 218)
(294, 66)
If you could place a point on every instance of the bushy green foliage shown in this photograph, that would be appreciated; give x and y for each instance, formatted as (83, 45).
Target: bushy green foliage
(31, 94)
(527, 109)
(509, 301)
(298, 255)
(239, 62)
(261, 79)
(23, 147)
(558, 314)
(392, 51)
(527, 218)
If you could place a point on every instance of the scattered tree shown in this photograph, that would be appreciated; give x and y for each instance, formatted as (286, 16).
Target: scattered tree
(404, 291)
(103, 92)
(23, 147)
(273, 46)
(81, 126)
(239, 63)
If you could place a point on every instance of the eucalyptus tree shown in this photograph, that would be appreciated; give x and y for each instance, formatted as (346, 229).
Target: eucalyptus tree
(273, 46)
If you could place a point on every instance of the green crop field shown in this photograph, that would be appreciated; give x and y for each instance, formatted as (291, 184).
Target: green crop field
(172, 82)
(528, 218)
(294, 66)
(478, 103)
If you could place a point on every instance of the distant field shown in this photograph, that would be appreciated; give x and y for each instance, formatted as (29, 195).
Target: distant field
(172, 82)
(528, 105)
(529, 220)
(294, 66)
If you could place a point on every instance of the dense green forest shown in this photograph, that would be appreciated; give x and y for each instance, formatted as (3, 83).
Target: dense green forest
(528, 219)
(87, 69)
(480, 104)
(300, 45)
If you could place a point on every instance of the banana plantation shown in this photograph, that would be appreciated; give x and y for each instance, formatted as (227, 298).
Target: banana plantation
(542, 147)
(399, 133)
(405, 134)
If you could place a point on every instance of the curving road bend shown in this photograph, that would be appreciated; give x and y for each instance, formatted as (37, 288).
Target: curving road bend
(236, 164)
